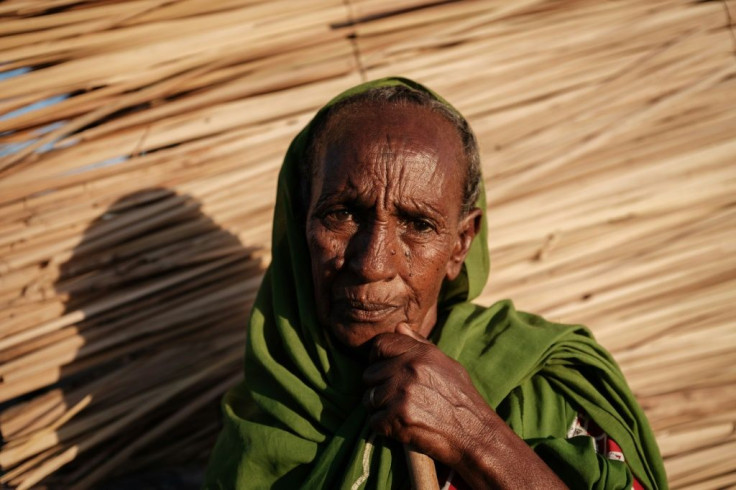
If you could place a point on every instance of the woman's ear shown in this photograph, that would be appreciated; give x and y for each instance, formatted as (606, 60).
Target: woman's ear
(468, 227)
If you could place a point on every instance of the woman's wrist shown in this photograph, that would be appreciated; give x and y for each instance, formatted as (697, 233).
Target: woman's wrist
(478, 464)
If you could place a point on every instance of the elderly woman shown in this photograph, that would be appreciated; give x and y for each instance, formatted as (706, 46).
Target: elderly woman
(363, 338)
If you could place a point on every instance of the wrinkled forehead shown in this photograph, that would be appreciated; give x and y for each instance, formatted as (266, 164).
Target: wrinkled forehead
(389, 129)
(405, 152)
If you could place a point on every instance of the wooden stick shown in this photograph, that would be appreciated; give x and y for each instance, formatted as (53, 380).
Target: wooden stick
(421, 470)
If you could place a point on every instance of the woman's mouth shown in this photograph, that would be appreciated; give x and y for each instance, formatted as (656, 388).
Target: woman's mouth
(364, 311)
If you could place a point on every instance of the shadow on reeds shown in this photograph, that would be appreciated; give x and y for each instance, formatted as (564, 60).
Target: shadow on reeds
(165, 294)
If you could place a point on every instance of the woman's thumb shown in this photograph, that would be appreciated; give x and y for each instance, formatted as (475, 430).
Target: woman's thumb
(405, 329)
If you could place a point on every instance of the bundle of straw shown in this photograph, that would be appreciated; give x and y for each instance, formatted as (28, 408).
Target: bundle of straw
(136, 195)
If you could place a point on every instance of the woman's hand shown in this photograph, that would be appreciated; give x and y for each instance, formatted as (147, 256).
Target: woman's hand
(426, 400)
(422, 398)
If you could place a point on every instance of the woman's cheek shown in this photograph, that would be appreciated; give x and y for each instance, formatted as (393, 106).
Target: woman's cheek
(328, 253)
(429, 272)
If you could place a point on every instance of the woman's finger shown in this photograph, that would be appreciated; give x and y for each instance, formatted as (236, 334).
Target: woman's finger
(389, 345)
(375, 396)
(383, 423)
(383, 369)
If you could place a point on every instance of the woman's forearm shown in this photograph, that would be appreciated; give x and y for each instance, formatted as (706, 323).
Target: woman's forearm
(495, 457)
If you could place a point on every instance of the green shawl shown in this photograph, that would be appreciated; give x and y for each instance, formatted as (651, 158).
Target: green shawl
(297, 421)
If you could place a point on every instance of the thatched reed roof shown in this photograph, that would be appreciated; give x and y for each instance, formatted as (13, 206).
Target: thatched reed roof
(135, 200)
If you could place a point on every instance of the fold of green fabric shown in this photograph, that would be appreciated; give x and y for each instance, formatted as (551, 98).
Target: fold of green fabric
(297, 421)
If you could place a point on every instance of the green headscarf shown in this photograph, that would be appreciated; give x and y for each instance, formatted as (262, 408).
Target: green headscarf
(297, 420)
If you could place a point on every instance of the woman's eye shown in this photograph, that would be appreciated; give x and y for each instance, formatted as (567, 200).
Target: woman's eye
(421, 226)
(340, 215)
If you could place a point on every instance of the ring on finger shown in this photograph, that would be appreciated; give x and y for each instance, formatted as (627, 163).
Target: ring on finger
(371, 397)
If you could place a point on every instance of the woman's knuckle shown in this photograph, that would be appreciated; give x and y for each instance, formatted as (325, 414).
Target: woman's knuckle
(414, 369)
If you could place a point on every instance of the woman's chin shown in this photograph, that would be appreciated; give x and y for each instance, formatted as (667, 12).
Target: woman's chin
(357, 337)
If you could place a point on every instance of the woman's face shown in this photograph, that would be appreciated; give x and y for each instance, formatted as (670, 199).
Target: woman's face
(384, 223)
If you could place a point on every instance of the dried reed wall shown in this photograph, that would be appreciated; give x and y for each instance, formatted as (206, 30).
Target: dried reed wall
(135, 200)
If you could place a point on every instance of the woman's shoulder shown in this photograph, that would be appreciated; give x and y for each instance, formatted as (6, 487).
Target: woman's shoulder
(505, 310)
(502, 324)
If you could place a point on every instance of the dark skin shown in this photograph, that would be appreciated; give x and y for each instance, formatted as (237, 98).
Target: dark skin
(385, 227)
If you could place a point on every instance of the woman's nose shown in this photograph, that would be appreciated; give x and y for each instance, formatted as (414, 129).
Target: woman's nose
(374, 253)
